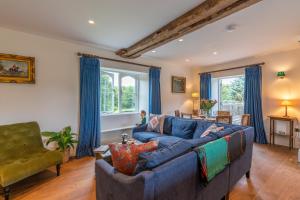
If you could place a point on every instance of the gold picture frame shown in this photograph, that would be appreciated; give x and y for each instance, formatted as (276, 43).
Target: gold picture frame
(17, 69)
(178, 84)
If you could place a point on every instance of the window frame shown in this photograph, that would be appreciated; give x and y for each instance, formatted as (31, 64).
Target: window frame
(112, 78)
(122, 74)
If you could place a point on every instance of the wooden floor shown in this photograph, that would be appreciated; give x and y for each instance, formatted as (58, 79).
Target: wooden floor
(275, 175)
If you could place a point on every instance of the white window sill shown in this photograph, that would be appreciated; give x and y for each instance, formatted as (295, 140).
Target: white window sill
(119, 114)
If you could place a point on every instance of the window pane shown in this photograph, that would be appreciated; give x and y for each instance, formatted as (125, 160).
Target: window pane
(107, 94)
(232, 96)
(128, 95)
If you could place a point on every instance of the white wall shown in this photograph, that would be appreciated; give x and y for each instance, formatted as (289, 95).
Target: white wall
(54, 100)
(274, 89)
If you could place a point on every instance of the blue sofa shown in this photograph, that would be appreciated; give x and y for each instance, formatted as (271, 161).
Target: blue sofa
(174, 172)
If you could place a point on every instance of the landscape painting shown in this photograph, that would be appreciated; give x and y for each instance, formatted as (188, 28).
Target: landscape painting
(16, 69)
(178, 84)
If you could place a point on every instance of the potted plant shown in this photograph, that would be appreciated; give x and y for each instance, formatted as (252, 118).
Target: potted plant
(206, 105)
(64, 139)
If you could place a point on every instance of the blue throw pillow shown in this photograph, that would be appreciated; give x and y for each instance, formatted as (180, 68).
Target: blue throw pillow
(183, 128)
(150, 160)
(168, 125)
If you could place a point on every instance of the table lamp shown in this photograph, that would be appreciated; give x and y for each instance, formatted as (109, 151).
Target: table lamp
(195, 96)
(286, 103)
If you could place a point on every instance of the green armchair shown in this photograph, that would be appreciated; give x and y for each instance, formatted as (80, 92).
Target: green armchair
(22, 154)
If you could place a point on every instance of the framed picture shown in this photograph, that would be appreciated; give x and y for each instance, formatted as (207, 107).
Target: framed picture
(16, 69)
(178, 84)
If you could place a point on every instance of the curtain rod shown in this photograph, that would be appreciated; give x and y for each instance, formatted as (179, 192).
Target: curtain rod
(222, 70)
(111, 59)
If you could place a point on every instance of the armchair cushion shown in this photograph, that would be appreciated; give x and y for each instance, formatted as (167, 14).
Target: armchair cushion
(15, 170)
(22, 153)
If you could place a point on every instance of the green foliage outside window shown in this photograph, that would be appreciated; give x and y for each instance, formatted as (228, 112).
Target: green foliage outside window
(112, 98)
(128, 99)
(233, 92)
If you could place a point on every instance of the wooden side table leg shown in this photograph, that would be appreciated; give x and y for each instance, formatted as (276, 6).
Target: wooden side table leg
(291, 135)
(273, 129)
(270, 136)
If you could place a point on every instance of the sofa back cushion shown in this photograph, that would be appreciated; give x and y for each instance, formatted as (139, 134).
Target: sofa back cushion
(183, 128)
(201, 127)
(150, 160)
(168, 125)
(19, 140)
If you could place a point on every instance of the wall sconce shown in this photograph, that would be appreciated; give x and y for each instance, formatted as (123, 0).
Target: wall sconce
(281, 75)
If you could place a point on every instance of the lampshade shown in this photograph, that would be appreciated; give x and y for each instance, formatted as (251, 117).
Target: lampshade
(286, 103)
(195, 95)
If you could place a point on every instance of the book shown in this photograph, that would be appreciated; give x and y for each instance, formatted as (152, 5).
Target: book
(101, 149)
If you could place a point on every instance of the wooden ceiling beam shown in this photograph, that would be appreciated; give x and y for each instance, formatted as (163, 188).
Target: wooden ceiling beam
(207, 12)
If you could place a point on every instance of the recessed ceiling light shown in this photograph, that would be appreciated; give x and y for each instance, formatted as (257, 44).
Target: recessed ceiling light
(187, 60)
(153, 51)
(215, 53)
(91, 21)
(180, 40)
(231, 27)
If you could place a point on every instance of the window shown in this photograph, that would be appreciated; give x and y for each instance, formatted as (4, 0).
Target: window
(229, 92)
(119, 91)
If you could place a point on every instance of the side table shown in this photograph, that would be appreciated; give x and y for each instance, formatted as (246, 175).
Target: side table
(290, 120)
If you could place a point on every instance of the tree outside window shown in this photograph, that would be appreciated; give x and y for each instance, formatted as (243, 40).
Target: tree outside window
(118, 92)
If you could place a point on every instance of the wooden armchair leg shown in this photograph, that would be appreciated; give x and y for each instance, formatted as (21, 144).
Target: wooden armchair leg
(58, 169)
(248, 174)
(6, 193)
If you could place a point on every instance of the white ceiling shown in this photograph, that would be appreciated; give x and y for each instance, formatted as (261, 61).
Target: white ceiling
(269, 26)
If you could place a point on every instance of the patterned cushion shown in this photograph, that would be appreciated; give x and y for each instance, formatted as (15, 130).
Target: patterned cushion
(156, 124)
(212, 129)
(125, 156)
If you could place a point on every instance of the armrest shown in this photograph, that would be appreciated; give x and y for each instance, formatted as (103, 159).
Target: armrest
(113, 185)
(142, 128)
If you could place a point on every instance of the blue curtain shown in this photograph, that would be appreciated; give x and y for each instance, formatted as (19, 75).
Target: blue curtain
(89, 133)
(253, 104)
(154, 91)
(205, 86)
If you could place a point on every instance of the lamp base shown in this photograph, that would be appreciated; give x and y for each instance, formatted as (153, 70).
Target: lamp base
(196, 112)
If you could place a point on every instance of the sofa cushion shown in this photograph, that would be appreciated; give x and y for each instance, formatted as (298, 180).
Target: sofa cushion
(145, 136)
(168, 125)
(183, 128)
(228, 129)
(200, 128)
(166, 141)
(202, 141)
(15, 170)
(125, 156)
(150, 160)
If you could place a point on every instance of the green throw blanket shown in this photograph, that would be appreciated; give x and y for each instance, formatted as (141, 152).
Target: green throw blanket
(213, 157)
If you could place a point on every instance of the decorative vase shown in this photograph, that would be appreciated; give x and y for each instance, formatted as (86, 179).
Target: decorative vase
(206, 113)
(66, 155)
